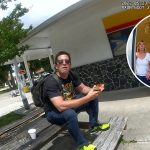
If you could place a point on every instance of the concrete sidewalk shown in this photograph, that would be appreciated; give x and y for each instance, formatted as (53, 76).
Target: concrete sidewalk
(134, 104)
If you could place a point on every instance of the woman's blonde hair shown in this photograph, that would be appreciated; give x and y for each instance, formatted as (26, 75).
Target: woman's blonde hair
(137, 47)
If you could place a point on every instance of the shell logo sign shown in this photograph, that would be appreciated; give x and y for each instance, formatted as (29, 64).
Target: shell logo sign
(124, 19)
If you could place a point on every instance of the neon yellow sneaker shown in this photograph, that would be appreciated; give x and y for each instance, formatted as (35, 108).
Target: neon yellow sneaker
(89, 147)
(101, 127)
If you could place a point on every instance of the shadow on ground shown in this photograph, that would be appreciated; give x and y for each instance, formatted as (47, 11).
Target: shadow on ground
(65, 142)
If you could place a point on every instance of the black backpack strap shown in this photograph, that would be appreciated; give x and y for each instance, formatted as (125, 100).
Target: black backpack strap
(71, 75)
(58, 81)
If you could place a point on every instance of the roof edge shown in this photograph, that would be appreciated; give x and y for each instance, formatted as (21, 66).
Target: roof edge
(54, 18)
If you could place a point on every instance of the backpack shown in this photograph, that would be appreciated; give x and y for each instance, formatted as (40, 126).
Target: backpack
(37, 90)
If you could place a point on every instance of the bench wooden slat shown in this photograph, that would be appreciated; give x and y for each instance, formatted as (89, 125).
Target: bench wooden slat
(102, 136)
(109, 139)
(114, 135)
(44, 137)
(25, 119)
(110, 134)
(117, 135)
(21, 136)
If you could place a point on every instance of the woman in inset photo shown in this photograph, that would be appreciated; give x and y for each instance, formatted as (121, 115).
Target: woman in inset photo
(142, 63)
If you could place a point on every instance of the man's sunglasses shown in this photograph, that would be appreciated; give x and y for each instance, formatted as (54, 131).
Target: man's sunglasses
(66, 61)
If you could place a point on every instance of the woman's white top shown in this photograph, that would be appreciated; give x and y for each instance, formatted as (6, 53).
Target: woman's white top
(142, 65)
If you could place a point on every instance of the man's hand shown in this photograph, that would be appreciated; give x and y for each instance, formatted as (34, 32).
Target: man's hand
(98, 87)
(93, 94)
(95, 91)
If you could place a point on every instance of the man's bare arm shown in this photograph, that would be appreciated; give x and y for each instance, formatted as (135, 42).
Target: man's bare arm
(62, 104)
(83, 88)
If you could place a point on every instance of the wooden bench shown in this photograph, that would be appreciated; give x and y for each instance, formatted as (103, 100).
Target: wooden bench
(35, 113)
(108, 140)
(46, 132)
(15, 136)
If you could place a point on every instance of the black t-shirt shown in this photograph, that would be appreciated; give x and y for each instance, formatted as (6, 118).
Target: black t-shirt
(52, 89)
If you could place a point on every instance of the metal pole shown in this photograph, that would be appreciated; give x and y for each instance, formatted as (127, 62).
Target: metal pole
(50, 55)
(27, 70)
(20, 86)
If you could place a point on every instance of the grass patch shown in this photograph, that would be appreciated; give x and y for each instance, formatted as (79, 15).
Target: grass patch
(9, 118)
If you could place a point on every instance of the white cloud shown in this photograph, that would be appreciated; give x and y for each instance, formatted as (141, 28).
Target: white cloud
(44, 9)
(39, 10)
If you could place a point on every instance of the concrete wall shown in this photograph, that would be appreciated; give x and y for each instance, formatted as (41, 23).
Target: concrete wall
(82, 33)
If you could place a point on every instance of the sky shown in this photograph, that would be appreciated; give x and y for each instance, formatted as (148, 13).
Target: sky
(39, 10)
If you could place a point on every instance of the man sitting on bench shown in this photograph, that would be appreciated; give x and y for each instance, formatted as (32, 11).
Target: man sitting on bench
(63, 104)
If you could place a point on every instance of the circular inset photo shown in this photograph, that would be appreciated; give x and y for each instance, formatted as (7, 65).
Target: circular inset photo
(138, 51)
